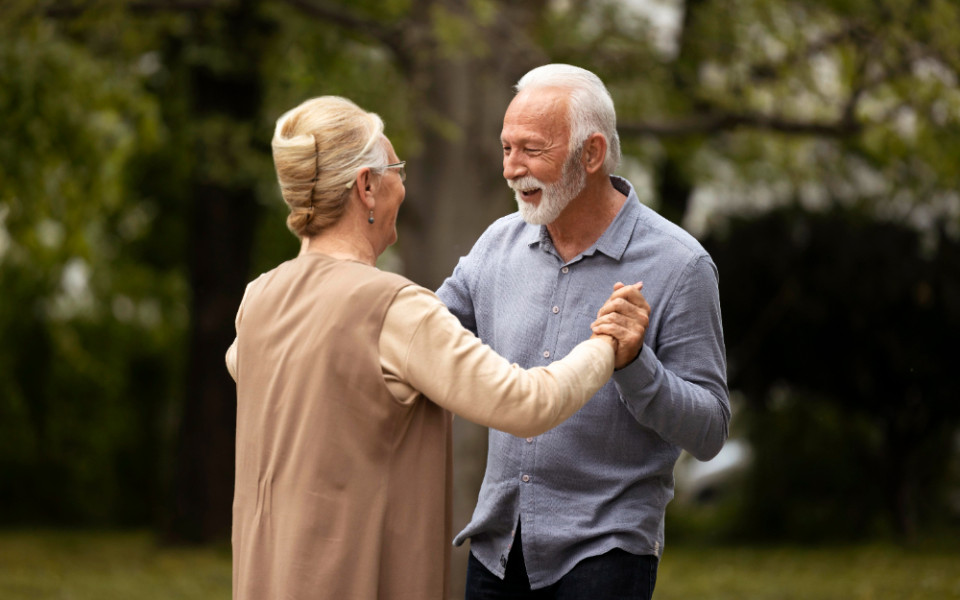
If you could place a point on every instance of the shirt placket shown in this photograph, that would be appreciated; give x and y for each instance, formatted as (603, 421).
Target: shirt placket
(554, 311)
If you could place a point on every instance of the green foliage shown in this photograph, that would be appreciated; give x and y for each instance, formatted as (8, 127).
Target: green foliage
(85, 370)
(70, 126)
(839, 331)
(817, 474)
(456, 34)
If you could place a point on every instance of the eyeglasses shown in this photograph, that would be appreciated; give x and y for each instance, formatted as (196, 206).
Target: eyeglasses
(397, 165)
(400, 169)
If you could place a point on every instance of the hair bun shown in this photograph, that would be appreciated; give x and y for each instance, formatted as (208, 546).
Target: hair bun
(317, 149)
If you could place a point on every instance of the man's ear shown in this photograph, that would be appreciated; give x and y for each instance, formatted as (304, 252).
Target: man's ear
(594, 152)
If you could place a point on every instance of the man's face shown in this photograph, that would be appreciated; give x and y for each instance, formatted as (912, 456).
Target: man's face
(554, 197)
(537, 165)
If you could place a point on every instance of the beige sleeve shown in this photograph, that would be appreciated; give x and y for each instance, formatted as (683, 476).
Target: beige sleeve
(232, 359)
(424, 349)
(231, 356)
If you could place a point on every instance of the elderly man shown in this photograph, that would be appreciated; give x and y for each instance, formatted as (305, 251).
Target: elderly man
(578, 512)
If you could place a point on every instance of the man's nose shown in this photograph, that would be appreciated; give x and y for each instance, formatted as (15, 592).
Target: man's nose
(513, 166)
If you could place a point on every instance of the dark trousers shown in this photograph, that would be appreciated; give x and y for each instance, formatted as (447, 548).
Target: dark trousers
(616, 575)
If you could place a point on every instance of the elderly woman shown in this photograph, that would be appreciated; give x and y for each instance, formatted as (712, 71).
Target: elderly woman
(346, 380)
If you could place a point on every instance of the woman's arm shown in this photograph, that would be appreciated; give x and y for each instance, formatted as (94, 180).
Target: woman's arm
(425, 350)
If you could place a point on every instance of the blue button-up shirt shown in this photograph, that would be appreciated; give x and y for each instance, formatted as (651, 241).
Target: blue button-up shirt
(602, 479)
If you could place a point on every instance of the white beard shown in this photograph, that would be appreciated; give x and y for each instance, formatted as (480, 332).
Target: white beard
(554, 197)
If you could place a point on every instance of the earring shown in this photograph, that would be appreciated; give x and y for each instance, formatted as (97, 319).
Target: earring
(370, 220)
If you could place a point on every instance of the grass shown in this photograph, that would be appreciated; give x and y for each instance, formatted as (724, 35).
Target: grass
(109, 565)
(862, 572)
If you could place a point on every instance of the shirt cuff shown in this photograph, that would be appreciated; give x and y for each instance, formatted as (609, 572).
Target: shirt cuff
(638, 374)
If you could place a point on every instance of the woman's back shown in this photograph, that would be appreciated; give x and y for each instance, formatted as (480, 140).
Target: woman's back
(341, 491)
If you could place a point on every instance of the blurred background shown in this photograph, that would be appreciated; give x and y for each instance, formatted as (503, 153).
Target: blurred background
(812, 146)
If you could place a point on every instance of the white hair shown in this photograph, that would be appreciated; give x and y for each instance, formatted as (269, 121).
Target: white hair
(591, 107)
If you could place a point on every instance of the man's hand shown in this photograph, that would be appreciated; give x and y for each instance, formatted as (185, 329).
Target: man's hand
(624, 317)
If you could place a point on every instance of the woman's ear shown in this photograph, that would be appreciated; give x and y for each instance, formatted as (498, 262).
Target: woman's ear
(366, 186)
(594, 152)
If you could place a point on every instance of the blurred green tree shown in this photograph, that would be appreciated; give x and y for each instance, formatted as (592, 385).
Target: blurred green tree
(85, 370)
(840, 332)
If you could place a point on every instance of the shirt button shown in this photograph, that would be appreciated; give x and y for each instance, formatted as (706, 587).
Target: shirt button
(565, 270)
(529, 440)
(525, 478)
(556, 309)
(546, 354)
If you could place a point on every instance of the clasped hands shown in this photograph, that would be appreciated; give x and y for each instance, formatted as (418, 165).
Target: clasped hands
(624, 318)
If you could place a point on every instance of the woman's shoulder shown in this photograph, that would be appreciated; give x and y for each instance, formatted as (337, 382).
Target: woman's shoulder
(322, 265)
(417, 295)
(414, 304)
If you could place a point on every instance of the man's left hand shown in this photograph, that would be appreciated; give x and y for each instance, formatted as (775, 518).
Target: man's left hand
(624, 317)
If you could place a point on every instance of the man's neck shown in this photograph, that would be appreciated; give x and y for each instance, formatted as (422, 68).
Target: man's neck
(585, 219)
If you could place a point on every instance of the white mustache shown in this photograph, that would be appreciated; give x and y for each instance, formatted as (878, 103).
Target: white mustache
(525, 183)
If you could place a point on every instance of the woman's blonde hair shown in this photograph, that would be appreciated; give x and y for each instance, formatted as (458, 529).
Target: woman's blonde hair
(318, 147)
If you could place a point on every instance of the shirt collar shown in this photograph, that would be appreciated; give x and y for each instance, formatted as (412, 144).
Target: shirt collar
(614, 240)
(535, 234)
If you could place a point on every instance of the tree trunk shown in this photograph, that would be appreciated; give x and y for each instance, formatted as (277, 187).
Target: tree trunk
(224, 214)
(455, 189)
(221, 239)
